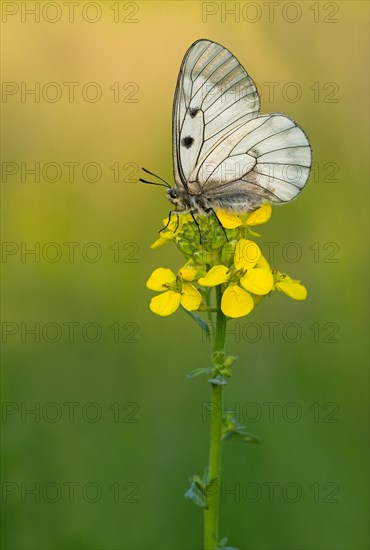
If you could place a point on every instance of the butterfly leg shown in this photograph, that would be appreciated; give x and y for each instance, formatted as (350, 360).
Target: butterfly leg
(197, 224)
(169, 221)
(218, 221)
(177, 223)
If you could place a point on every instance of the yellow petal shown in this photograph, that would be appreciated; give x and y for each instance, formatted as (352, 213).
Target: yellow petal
(261, 215)
(258, 281)
(188, 272)
(263, 263)
(247, 254)
(236, 302)
(171, 226)
(216, 275)
(177, 221)
(168, 235)
(191, 297)
(229, 220)
(160, 278)
(293, 289)
(159, 242)
(166, 303)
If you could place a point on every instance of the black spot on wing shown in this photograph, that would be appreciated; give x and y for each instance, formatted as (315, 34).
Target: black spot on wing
(194, 111)
(187, 142)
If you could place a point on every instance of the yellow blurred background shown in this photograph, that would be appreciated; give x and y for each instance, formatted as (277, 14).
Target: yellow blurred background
(117, 429)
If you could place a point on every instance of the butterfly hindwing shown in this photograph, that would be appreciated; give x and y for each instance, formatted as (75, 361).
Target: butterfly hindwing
(269, 155)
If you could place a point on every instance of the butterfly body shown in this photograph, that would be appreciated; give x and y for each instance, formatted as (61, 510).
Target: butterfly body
(226, 154)
(186, 201)
(201, 204)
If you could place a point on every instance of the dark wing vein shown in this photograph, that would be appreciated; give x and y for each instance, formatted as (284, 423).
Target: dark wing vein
(229, 107)
(263, 139)
(195, 64)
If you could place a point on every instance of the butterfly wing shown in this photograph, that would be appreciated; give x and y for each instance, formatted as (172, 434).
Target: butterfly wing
(214, 95)
(223, 148)
(265, 159)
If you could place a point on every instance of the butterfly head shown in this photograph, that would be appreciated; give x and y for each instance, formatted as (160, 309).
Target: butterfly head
(176, 198)
(185, 201)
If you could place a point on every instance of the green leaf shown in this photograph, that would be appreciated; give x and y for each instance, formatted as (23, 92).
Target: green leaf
(198, 372)
(232, 430)
(218, 381)
(201, 322)
(222, 545)
(246, 438)
(253, 233)
(197, 492)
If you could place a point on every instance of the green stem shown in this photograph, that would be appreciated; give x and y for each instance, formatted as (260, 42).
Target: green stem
(214, 465)
(209, 311)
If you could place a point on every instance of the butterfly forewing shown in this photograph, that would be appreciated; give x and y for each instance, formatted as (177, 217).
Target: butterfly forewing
(213, 95)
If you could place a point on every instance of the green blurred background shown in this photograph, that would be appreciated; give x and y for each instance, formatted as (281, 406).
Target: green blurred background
(116, 419)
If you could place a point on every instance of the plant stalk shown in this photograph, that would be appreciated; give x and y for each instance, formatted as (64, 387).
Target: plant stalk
(214, 465)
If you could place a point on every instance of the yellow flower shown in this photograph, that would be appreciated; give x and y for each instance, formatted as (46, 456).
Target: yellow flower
(251, 275)
(189, 272)
(191, 298)
(231, 220)
(171, 229)
(246, 275)
(161, 279)
(247, 254)
(257, 281)
(215, 276)
(174, 291)
(166, 303)
(289, 286)
(236, 302)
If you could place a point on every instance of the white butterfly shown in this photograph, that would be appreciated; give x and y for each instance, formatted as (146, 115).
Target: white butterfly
(227, 155)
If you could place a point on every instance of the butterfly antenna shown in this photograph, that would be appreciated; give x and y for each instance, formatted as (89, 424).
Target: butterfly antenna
(155, 175)
(153, 182)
